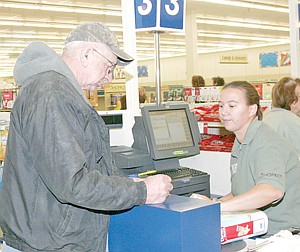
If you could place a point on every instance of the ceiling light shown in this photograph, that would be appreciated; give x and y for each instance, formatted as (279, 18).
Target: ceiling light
(251, 5)
(242, 24)
(62, 8)
(241, 37)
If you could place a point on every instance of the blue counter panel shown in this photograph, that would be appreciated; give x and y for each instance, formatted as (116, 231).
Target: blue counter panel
(180, 224)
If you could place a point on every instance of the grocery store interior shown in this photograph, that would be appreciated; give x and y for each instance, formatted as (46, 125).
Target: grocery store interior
(236, 40)
(211, 26)
(255, 41)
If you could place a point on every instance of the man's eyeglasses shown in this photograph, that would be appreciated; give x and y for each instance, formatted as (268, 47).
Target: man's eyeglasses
(112, 65)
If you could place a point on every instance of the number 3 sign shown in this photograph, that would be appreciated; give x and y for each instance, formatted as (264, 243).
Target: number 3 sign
(159, 15)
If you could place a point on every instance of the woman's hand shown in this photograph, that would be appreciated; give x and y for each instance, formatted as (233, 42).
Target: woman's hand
(199, 196)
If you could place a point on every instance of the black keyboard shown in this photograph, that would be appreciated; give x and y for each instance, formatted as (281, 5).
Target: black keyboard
(182, 172)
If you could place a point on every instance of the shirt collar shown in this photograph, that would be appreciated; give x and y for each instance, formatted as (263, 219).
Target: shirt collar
(251, 132)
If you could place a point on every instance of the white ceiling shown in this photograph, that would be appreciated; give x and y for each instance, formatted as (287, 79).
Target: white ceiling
(222, 25)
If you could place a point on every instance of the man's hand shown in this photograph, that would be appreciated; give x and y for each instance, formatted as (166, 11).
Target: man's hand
(158, 188)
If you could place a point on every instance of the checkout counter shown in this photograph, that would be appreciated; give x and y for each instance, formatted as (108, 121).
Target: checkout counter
(180, 224)
(162, 136)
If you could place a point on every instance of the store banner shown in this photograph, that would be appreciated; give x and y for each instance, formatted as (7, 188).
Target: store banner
(234, 59)
(298, 12)
(159, 15)
(268, 59)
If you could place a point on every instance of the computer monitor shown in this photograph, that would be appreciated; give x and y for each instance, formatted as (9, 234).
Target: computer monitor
(171, 131)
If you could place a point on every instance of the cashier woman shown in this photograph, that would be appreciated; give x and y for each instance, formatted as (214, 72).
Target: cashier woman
(265, 169)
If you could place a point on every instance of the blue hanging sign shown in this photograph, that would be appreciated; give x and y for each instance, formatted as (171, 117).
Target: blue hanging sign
(299, 20)
(298, 12)
(159, 15)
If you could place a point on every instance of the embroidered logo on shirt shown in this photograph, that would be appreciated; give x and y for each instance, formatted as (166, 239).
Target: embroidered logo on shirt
(233, 168)
(271, 174)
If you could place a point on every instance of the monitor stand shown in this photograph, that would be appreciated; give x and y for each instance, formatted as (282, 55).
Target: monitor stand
(165, 164)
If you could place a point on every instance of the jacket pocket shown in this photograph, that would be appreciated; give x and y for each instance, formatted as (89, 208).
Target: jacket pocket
(78, 224)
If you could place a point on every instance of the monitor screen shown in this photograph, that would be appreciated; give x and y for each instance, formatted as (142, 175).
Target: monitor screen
(171, 131)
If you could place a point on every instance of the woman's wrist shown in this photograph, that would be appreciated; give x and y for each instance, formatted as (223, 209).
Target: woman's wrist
(216, 200)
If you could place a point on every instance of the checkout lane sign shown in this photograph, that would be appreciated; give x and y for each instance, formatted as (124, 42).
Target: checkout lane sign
(159, 15)
(298, 12)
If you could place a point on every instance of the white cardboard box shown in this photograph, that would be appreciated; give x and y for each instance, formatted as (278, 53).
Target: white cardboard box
(244, 224)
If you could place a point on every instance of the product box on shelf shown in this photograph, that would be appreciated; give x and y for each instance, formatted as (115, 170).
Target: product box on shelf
(215, 93)
(202, 94)
(210, 94)
(207, 112)
(176, 94)
(92, 96)
(264, 89)
(7, 99)
(192, 94)
(211, 142)
(4, 127)
(259, 89)
(214, 136)
(267, 91)
(205, 94)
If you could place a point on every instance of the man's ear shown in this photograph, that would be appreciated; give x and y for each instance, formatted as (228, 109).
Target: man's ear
(85, 55)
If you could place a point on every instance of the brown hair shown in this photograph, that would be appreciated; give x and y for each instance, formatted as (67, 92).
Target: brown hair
(198, 81)
(283, 93)
(252, 97)
(218, 81)
(142, 95)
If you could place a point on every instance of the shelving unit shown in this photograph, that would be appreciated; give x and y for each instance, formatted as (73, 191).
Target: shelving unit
(106, 98)
(7, 97)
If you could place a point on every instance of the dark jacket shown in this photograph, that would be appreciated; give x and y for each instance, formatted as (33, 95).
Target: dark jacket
(59, 184)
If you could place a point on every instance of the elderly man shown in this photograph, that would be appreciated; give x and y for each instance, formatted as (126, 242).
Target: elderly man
(59, 184)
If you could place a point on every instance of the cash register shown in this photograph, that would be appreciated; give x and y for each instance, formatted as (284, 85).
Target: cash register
(162, 135)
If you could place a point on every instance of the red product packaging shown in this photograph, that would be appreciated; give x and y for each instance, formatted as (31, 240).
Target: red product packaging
(244, 224)
(7, 96)
(187, 91)
(210, 142)
(259, 89)
(208, 113)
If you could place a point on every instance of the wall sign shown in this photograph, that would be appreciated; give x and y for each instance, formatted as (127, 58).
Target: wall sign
(298, 12)
(234, 59)
(159, 15)
(268, 59)
(285, 59)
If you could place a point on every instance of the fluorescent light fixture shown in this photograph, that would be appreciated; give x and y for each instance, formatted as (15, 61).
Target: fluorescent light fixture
(239, 47)
(260, 5)
(163, 42)
(235, 23)
(241, 37)
(32, 36)
(80, 9)
(16, 23)
(8, 62)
